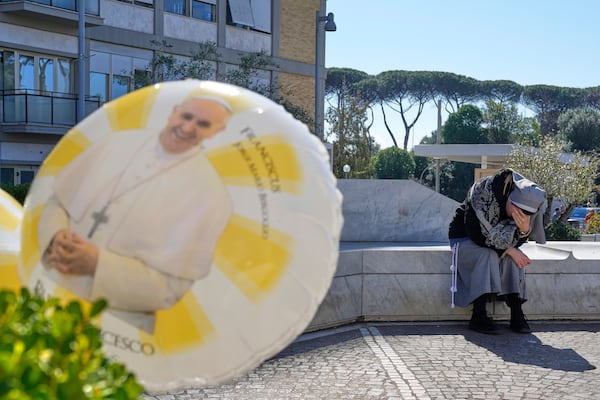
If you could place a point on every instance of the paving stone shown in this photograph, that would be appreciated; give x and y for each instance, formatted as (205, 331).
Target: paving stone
(424, 361)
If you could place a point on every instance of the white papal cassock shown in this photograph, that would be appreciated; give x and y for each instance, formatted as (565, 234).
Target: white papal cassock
(158, 233)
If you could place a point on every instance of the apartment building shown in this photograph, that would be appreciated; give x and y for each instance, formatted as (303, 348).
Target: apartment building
(43, 41)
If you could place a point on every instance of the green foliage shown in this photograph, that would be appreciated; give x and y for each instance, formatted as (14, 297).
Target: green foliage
(393, 163)
(340, 81)
(549, 101)
(405, 92)
(246, 74)
(201, 64)
(352, 143)
(502, 91)
(166, 67)
(464, 126)
(593, 225)
(18, 192)
(53, 352)
(581, 128)
(298, 112)
(562, 231)
(456, 179)
(424, 169)
(504, 124)
(571, 180)
(456, 90)
(530, 133)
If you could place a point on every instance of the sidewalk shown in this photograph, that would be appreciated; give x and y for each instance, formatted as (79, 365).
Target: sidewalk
(558, 360)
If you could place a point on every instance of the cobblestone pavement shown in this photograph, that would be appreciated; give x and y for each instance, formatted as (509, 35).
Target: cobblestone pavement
(558, 360)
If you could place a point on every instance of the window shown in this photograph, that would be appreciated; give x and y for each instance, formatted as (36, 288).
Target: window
(63, 76)
(7, 176)
(25, 176)
(254, 14)
(200, 9)
(141, 78)
(240, 13)
(7, 70)
(203, 10)
(46, 74)
(144, 3)
(261, 10)
(66, 4)
(99, 86)
(26, 72)
(34, 72)
(92, 7)
(17, 175)
(175, 6)
(108, 86)
(120, 86)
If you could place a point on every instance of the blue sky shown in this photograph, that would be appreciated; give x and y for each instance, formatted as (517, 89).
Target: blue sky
(527, 41)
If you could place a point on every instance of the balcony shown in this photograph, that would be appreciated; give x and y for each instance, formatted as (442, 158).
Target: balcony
(65, 11)
(31, 111)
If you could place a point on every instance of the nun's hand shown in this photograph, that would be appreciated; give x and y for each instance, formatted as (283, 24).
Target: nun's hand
(521, 219)
(519, 258)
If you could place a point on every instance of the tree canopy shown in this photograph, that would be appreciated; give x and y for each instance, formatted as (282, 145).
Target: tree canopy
(566, 176)
(407, 92)
(464, 126)
(393, 163)
(581, 128)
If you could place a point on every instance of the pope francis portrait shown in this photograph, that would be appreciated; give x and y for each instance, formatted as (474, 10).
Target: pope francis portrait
(135, 218)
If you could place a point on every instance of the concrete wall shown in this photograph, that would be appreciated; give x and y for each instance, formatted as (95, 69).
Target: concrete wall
(387, 210)
(412, 283)
(394, 263)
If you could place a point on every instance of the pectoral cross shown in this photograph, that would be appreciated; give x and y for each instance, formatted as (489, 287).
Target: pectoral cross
(99, 217)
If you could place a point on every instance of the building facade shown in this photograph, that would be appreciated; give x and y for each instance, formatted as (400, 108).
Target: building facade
(43, 41)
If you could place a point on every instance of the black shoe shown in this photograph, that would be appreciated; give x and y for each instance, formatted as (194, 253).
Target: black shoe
(518, 323)
(483, 324)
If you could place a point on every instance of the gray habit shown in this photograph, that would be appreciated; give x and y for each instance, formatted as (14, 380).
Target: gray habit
(480, 270)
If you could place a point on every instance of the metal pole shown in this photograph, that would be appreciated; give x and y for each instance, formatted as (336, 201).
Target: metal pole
(319, 64)
(81, 63)
(438, 140)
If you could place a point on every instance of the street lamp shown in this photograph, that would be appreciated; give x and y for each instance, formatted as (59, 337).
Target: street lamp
(324, 23)
(346, 168)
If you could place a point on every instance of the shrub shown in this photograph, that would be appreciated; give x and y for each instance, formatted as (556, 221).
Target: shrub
(562, 231)
(18, 192)
(394, 163)
(593, 226)
(53, 352)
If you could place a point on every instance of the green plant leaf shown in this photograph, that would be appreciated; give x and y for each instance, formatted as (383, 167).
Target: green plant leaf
(48, 352)
(74, 309)
(97, 307)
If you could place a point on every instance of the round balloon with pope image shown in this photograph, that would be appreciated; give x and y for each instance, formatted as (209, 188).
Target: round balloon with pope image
(11, 215)
(206, 216)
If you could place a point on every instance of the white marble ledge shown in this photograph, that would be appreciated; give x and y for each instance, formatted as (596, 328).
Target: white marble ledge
(579, 250)
(395, 246)
(551, 250)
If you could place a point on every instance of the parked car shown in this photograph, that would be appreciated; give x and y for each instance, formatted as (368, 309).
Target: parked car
(577, 217)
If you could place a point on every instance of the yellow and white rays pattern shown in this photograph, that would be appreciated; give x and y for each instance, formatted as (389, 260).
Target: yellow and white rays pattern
(272, 264)
(252, 264)
(11, 214)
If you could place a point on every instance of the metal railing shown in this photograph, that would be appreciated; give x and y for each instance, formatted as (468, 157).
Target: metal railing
(28, 106)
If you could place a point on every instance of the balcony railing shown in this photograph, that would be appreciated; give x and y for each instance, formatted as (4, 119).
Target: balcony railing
(26, 106)
(92, 7)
